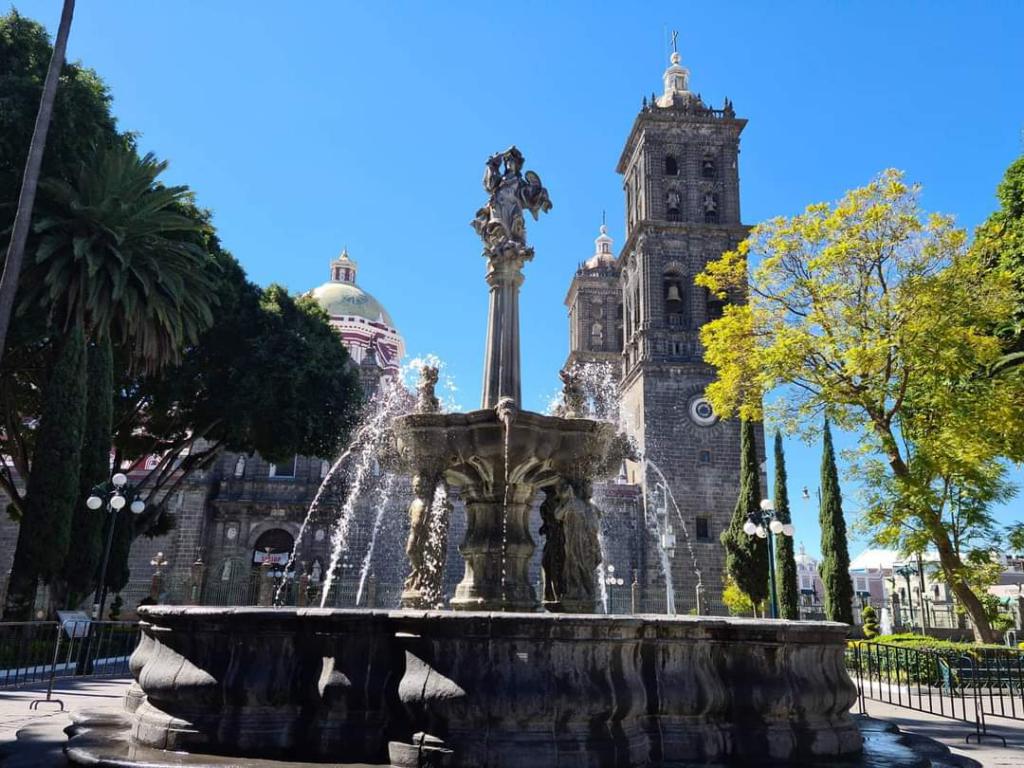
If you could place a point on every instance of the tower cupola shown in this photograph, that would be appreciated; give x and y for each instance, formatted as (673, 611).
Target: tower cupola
(343, 269)
(603, 255)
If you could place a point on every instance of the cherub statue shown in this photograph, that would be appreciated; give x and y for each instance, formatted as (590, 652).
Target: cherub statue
(426, 400)
(578, 520)
(500, 223)
(574, 403)
(419, 531)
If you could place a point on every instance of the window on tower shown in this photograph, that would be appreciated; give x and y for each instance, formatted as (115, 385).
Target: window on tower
(596, 336)
(671, 166)
(702, 529)
(708, 168)
(710, 208)
(673, 205)
(673, 292)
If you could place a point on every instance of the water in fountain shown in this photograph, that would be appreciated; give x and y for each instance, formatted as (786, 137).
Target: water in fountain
(437, 540)
(383, 497)
(670, 498)
(602, 571)
(353, 472)
(603, 401)
(390, 400)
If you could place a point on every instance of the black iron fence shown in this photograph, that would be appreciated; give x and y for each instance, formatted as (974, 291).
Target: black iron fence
(41, 651)
(968, 686)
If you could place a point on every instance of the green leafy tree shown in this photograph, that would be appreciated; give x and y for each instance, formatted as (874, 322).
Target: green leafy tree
(44, 533)
(83, 559)
(81, 121)
(835, 554)
(272, 376)
(114, 247)
(746, 557)
(869, 622)
(1000, 243)
(785, 560)
(878, 315)
(736, 600)
(30, 178)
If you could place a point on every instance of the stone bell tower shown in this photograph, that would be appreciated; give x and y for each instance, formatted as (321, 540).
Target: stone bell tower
(681, 180)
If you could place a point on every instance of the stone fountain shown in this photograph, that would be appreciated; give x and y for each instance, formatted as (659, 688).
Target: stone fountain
(496, 681)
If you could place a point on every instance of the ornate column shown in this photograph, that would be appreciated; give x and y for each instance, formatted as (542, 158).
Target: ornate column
(501, 356)
(502, 229)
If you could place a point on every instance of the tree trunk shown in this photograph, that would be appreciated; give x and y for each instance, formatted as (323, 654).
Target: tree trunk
(30, 179)
(952, 568)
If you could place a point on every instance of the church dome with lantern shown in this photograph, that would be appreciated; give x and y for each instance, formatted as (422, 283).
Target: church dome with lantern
(366, 328)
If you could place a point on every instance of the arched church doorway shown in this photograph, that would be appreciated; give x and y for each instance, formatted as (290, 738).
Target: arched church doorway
(274, 546)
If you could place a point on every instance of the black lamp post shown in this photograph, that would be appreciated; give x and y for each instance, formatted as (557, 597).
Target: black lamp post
(611, 580)
(906, 571)
(116, 494)
(760, 524)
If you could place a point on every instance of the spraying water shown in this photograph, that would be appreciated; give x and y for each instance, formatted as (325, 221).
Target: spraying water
(382, 502)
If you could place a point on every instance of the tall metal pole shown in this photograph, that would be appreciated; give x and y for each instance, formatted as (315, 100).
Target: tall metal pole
(774, 597)
(101, 585)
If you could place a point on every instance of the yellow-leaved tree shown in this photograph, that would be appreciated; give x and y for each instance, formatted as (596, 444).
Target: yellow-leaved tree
(877, 315)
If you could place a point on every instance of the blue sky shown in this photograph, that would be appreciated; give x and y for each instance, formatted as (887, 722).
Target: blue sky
(309, 126)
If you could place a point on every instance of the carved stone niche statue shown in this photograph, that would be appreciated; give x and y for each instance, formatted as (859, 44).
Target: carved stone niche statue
(572, 551)
(426, 400)
(500, 222)
(426, 545)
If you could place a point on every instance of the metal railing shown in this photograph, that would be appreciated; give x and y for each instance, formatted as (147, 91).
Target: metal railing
(968, 686)
(41, 651)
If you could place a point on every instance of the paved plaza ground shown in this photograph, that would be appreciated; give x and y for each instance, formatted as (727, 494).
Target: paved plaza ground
(31, 738)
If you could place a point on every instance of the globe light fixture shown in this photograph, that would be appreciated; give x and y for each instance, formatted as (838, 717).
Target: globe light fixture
(117, 501)
(94, 502)
(138, 506)
(119, 479)
(759, 523)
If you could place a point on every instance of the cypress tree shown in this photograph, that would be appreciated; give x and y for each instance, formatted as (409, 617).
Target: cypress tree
(785, 562)
(835, 557)
(88, 525)
(746, 557)
(52, 489)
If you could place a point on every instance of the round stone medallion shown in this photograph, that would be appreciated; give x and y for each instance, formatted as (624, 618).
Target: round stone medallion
(702, 413)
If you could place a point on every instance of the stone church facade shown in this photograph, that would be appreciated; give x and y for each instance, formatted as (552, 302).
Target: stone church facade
(642, 312)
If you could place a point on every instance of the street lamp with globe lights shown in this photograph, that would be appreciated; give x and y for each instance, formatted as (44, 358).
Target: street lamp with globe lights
(611, 580)
(116, 493)
(759, 524)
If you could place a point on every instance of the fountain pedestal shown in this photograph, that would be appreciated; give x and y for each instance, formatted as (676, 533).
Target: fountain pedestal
(500, 465)
(497, 549)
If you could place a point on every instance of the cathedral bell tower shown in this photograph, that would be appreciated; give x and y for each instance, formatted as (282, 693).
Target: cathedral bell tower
(681, 181)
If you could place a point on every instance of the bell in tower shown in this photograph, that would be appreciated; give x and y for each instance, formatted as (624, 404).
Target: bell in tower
(673, 293)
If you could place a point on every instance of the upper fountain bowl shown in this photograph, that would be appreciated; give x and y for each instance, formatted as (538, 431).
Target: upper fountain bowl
(500, 459)
(474, 448)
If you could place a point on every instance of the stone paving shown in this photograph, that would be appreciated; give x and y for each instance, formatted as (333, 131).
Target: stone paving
(990, 753)
(42, 730)
(35, 737)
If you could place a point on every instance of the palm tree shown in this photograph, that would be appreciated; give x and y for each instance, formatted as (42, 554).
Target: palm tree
(116, 258)
(116, 251)
(30, 179)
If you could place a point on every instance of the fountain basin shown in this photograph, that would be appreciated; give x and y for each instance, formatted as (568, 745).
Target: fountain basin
(409, 688)
(500, 465)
